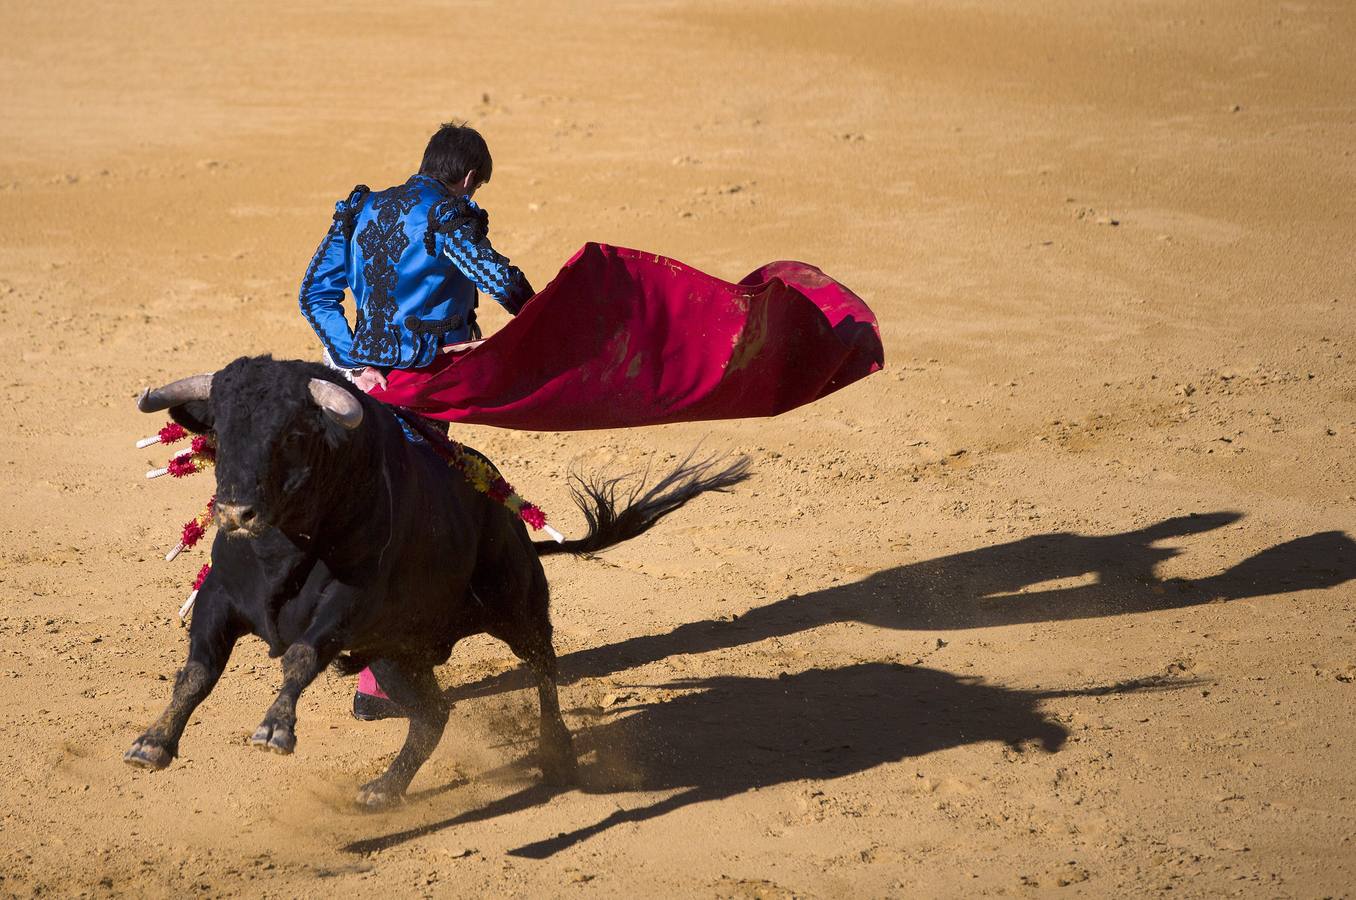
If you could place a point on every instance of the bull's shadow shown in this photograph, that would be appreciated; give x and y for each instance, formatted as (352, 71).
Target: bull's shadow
(985, 587)
(736, 733)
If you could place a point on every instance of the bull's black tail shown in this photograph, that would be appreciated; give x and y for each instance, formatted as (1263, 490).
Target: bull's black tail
(596, 498)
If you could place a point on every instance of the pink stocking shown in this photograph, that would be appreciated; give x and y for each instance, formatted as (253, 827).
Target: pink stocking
(367, 684)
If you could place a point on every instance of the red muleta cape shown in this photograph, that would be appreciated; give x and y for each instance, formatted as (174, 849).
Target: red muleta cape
(622, 338)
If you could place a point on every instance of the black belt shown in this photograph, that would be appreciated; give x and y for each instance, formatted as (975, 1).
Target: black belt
(420, 326)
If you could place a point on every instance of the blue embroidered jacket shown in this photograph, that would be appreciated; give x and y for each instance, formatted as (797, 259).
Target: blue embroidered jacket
(413, 256)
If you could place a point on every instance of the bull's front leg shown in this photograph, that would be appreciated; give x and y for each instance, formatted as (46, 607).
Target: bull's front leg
(306, 659)
(300, 664)
(212, 635)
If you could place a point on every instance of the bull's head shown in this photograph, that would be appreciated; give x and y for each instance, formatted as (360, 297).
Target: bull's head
(275, 424)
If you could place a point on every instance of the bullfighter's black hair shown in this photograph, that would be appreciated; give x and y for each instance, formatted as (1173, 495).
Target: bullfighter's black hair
(453, 151)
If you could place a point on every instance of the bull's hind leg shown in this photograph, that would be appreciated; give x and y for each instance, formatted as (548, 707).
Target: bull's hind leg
(556, 746)
(415, 688)
(511, 584)
(212, 636)
(527, 631)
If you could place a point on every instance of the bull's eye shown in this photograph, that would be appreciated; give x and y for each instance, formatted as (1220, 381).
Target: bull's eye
(295, 447)
(295, 479)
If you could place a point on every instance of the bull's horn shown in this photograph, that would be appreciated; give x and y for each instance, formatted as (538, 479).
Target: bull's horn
(194, 387)
(339, 404)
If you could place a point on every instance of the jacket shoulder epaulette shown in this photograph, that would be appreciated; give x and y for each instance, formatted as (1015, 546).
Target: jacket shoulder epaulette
(451, 214)
(346, 211)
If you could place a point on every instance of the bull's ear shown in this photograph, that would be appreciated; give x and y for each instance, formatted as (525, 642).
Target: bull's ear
(195, 415)
(335, 434)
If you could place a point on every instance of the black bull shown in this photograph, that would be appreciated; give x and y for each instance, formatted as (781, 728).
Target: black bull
(339, 534)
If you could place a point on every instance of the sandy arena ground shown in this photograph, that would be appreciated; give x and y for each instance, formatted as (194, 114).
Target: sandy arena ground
(1061, 600)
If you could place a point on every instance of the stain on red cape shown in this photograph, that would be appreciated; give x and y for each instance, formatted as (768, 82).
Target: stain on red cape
(622, 338)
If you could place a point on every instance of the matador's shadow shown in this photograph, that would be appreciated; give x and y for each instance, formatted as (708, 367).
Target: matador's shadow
(984, 587)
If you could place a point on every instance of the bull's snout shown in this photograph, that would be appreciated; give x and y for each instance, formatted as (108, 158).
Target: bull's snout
(240, 519)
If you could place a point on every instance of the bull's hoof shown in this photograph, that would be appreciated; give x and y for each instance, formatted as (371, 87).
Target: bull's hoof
(376, 795)
(274, 736)
(146, 754)
(559, 769)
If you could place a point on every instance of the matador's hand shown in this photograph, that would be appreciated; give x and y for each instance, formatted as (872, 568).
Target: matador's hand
(369, 378)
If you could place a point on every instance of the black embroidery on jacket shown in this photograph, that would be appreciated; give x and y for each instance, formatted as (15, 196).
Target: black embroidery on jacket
(451, 214)
(468, 246)
(382, 241)
(347, 215)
